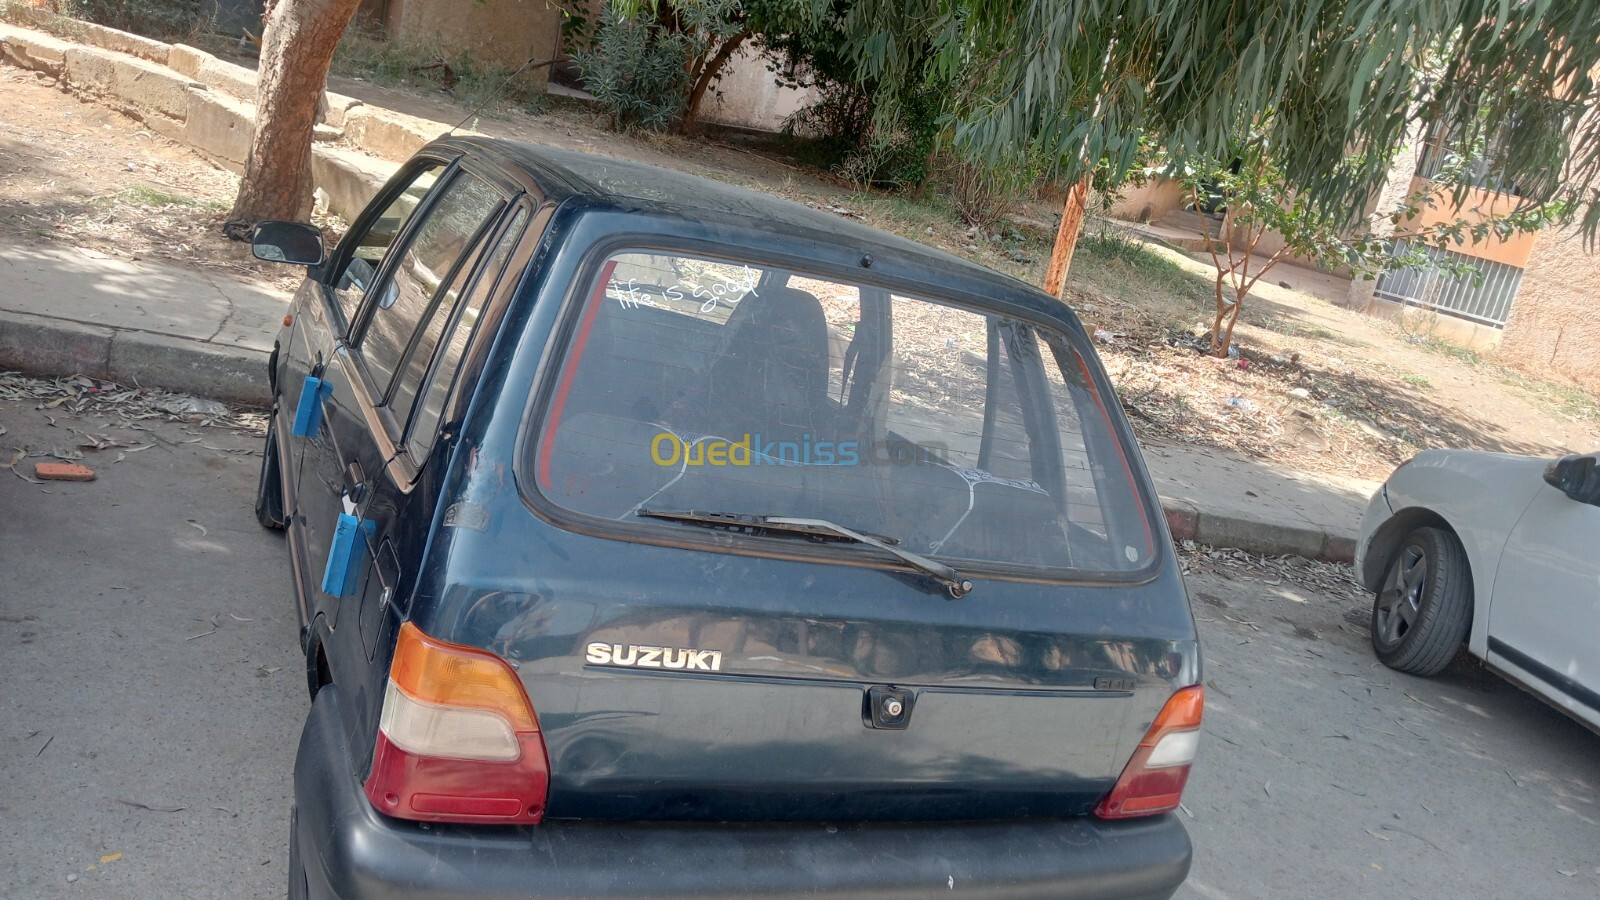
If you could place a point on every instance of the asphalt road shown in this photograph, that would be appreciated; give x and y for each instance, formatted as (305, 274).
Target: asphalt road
(151, 694)
(151, 699)
(1324, 774)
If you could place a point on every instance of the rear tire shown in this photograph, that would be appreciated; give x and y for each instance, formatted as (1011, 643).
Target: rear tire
(1423, 609)
(269, 490)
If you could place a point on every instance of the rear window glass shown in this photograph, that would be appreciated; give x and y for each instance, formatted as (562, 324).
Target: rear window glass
(724, 387)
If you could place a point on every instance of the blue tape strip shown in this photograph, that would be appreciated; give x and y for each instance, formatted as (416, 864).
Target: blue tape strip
(347, 556)
(308, 411)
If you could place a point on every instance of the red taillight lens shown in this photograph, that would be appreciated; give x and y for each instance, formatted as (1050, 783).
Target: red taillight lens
(458, 740)
(1153, 780)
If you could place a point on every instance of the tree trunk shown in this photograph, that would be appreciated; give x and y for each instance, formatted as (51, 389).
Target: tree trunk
(708, 74)
(1223, 338)
(1217, 347)
(296, 49)
(1055, 276)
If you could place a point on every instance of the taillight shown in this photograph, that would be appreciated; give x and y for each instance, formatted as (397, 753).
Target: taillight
(457, 740)
(1153, 780)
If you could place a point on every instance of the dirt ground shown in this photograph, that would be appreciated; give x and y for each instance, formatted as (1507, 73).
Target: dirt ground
(81, 175)
(1320, 388)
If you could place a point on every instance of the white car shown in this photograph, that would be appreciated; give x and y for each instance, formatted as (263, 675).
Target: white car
(1499, 551)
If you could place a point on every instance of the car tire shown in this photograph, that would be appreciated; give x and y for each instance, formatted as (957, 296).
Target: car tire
(299, 884)
(269, 490)
(1423, 607)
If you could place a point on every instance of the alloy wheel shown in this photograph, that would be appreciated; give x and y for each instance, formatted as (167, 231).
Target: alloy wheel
(1400, 603)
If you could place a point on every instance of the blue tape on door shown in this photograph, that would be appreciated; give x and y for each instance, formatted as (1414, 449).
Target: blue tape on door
(308, 412)
(347, 556)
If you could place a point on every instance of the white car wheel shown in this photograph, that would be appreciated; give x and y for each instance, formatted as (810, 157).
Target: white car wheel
(1422, 611)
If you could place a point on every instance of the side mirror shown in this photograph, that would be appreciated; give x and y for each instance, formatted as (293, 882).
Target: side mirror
(1576, 476)
(287, 242)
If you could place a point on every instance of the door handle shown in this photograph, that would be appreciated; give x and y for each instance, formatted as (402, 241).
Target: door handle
(355, 484)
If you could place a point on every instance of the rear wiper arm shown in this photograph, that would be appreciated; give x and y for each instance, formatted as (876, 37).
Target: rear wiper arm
(952, 580)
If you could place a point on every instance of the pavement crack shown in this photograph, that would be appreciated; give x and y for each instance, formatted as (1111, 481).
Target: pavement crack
(232, 309)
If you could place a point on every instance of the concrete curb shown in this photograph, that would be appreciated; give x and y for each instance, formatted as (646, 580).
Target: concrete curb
(1189, 523)
(60, 347)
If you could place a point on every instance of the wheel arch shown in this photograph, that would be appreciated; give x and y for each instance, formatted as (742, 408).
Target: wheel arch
(319, 674)
(1386, 540)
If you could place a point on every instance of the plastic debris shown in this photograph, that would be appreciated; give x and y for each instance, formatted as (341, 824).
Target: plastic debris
(187, 406)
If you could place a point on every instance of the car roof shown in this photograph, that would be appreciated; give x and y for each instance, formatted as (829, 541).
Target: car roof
(603, 180)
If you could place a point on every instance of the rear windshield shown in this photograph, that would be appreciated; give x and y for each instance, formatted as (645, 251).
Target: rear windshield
(694, 384)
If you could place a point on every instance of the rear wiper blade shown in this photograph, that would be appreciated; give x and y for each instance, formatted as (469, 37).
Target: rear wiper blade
(958, 585)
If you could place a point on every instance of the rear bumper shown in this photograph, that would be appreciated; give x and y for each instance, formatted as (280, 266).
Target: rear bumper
(351, 851)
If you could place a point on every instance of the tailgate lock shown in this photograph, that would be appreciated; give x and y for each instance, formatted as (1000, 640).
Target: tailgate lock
(887, 708)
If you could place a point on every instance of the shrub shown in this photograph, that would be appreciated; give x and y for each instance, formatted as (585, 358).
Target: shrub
(637, 71)
(160, 19)
(866, 152)
(984, 194)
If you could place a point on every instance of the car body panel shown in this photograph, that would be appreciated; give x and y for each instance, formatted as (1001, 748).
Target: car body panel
(1478, 496)
(1532, 554)
(1027, 697)
(1546, 612)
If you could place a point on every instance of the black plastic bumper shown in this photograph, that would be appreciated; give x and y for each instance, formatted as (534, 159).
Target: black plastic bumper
(351, 851)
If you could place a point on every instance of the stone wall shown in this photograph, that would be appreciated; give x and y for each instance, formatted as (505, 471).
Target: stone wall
(506, 33)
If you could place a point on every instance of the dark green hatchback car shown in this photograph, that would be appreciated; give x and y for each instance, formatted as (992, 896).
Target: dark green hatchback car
(657, 538)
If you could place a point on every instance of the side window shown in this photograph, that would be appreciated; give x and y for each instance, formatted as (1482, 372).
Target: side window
(425, 422)
(372, 246)
(410, 296)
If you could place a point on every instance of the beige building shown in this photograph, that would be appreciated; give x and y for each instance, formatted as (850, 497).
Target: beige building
(1536, 297)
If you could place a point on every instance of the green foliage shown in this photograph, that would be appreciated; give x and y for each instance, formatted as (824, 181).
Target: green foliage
(159, 19)
(637, 70)
(895, 153)
(1251, 184)
(1086, 81)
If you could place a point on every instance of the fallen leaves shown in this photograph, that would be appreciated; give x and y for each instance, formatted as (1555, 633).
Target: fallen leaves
(123, 407)
(1335, 579)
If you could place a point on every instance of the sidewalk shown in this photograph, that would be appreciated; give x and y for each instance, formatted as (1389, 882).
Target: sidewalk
(1226, 500)
(65, 311)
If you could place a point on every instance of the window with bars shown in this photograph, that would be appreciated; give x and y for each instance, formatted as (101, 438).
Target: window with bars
(1485, 297)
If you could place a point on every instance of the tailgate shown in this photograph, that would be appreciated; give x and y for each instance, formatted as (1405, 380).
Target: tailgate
(713, 712)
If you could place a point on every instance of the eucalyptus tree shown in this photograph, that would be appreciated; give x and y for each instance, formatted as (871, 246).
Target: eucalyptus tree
(1340, 83)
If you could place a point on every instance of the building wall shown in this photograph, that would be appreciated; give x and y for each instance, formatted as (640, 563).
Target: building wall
(749, 96)
(1149, 202)
(1478, 206)
(502, 32)
(1555, 324)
